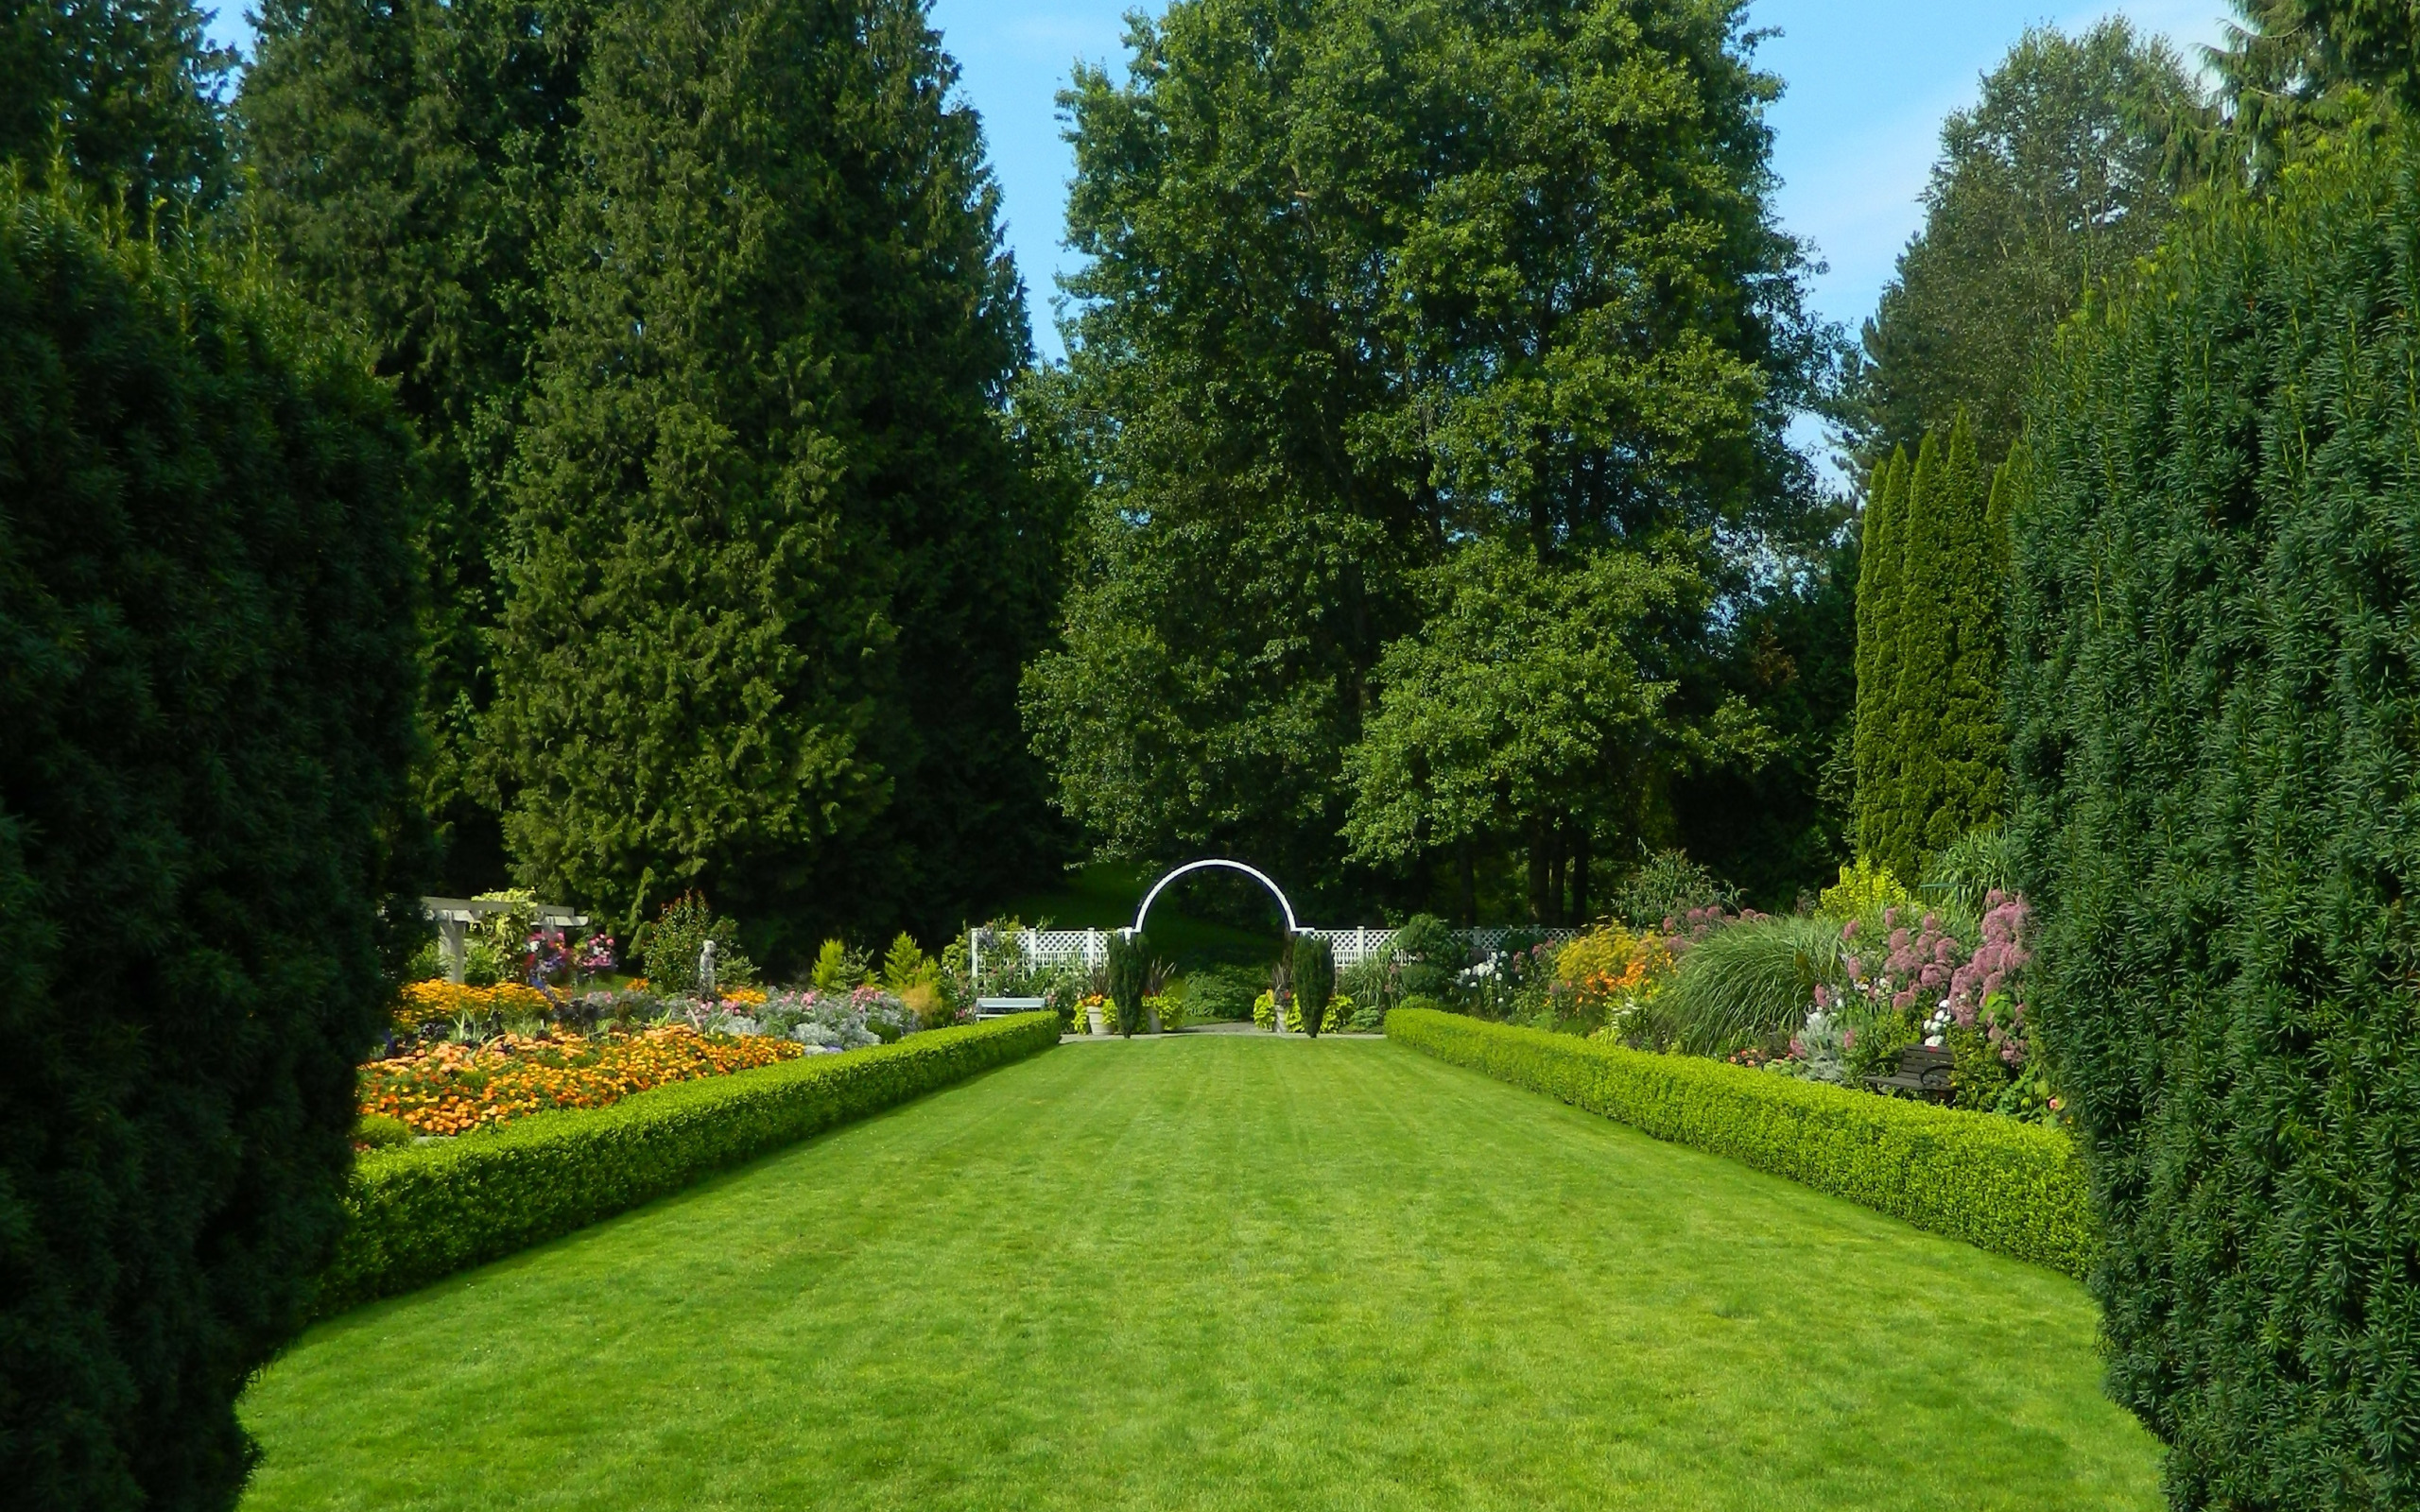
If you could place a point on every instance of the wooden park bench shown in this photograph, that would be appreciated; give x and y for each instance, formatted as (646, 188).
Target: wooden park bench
(1923, 1072)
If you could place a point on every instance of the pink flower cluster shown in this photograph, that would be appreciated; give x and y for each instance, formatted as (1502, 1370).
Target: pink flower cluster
(1929, 969)
(1995, 971)
(1687, 929)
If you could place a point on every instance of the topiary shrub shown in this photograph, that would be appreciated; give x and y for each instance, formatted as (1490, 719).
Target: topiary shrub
(1129, 965)
(2214, 701)
(208, 687)
(1314, 981)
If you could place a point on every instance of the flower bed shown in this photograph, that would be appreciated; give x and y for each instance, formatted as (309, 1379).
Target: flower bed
(452, 1089)
(427, 1210)
(421, 1003)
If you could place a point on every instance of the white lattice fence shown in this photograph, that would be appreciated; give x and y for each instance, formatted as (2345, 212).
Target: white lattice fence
(1089, 948)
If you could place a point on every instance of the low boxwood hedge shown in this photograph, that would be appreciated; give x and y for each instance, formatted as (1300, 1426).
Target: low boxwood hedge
(426, 1210)
(1997, 1185)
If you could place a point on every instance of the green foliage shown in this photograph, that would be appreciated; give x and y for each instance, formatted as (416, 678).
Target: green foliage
(378, 1132)
(1863, 892)
(906, 966)
(2212, 702)
(1128, 965)
(1427, 955)
(427, 1211)
(1314, 981)
(2016, 1189)
(837, 968)
(403, 160)
(670, 950)
(1527, 705)
(1966, 871)
(2050, 187)
(1667, 886)
(1777, 831)
(207, 684)
(1223, 992)
(1368, 285)
(1930, 752)
(703, 306)
(1749, 983)
(124, 95)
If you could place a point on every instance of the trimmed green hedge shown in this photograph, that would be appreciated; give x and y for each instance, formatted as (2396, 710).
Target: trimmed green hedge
(424, 1211)
(1997, 1185)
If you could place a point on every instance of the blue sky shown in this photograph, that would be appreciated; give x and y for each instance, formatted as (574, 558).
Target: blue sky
(1868, 83)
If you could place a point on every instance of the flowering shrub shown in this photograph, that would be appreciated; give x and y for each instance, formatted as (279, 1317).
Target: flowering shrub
(426, 1002)
(452, 1089)
(1606, 976)
(1969, 1000)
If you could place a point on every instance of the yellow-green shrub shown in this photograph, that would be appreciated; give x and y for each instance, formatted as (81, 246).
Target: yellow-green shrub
(1996, 1183)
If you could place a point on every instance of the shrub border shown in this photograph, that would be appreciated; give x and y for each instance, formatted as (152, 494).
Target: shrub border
(2015, 1189)
(423, 1212)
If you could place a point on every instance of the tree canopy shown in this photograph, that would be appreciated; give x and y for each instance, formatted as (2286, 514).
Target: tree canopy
(2058, 178)
(773, 556)
(1367, 282)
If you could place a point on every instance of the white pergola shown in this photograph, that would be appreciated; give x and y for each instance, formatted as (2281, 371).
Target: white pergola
(453, 915)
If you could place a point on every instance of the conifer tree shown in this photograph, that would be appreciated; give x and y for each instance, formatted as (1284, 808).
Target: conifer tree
(124, 92)
(774, 559)
(1880, 565)
(1930, 750)
(401, 159)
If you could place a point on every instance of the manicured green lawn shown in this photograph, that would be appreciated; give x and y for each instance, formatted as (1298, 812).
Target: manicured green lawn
(1218, 1272)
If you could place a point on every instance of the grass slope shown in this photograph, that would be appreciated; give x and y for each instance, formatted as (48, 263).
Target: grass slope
(1218, 1271)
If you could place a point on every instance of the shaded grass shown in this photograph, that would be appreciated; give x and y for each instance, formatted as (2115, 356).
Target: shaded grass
(1218, 1272)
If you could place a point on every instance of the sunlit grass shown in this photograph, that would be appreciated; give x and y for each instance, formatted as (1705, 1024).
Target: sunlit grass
(1218, 1272)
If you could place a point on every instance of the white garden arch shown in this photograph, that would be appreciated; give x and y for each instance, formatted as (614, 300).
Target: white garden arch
(1254, 873)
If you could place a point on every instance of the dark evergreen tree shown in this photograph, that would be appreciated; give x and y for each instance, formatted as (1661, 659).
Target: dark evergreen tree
(777, 559)
(125, 93)
(208, 684)
(403, 160)
(1314, 977)
(1881, 570)
(1783, 828)
(2214, 700)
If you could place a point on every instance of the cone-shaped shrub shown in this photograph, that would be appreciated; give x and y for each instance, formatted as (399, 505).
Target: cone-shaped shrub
(2214, 704)
(1314, 981)
(1129, 962)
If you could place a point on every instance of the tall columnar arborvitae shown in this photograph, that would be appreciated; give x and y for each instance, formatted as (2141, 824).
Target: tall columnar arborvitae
(1930, 753)
(2213, 702)
(1881, 565)
(1124, 968)
(208, 679)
